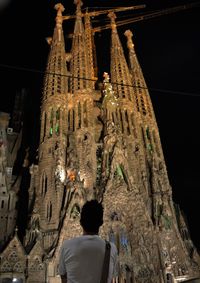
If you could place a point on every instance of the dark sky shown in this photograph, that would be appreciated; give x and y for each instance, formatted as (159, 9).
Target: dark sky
(168, 49)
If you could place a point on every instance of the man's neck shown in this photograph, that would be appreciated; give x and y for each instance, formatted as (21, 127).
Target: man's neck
(89, 233)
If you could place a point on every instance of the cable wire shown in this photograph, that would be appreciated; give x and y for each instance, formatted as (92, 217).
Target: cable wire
(88, 79)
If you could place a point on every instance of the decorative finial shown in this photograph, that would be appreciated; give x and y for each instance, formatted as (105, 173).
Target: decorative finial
(128, 33)
(60, 8)
(78, 4)
(112, 17)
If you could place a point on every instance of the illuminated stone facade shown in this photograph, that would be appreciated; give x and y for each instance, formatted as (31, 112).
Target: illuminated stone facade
(10, 142)
(102, 144)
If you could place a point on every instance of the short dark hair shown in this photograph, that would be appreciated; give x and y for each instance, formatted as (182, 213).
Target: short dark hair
(91, 216)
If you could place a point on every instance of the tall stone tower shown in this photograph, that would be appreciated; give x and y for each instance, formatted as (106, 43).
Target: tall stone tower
(102, 144)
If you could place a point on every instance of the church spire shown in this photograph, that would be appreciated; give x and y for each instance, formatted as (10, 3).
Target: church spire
(143, 100)
(55, 82)
(89, 36)
(120, 75)
(79, 67)
(53, 133)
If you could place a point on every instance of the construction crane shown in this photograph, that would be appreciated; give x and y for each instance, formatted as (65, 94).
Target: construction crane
(148, 16)
(139, 18)
(101, 12)
(90, 31)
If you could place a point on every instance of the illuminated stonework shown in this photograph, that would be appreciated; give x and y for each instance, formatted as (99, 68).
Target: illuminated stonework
(103, 145)
(10, 142)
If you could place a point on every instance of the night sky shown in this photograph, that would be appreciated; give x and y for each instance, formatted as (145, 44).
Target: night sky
(168, 49)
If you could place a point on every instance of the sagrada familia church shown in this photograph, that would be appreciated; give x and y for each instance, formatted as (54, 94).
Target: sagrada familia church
(96, 142)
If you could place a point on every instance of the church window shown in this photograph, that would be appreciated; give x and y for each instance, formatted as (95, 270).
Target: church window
(69, 120)
(58, 87)
(142, 103)
(49, 211)
(44, 129)
(113, 118)
(149, 146)
(85, 114)
(51, 124)
(148, 133)
(57, 121)
(9, 203)
(73, 120)
(121, 120)
(79, 115)
(44, 184)
(137, 102)
(127, 121)
(2, 204)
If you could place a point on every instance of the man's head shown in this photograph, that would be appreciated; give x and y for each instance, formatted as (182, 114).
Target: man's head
(91, 216)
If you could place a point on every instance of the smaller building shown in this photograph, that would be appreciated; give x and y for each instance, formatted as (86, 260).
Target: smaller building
(10, 142)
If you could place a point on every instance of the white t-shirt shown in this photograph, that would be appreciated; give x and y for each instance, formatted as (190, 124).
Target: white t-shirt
(82, 259)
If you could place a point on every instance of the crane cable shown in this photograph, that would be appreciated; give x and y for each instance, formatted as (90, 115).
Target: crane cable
(88, 79)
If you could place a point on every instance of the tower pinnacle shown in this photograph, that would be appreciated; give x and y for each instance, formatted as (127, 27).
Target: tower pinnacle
(78, 4)
(112, 17)
(120, 75)
(128, 33)
(80, 62)
(60, 8)
(143, 101)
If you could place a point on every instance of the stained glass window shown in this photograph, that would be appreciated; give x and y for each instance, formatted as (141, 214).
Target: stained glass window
(57, 128)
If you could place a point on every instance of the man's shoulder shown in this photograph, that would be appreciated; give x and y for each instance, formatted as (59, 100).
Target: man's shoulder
(82, 238)
(73, 240)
